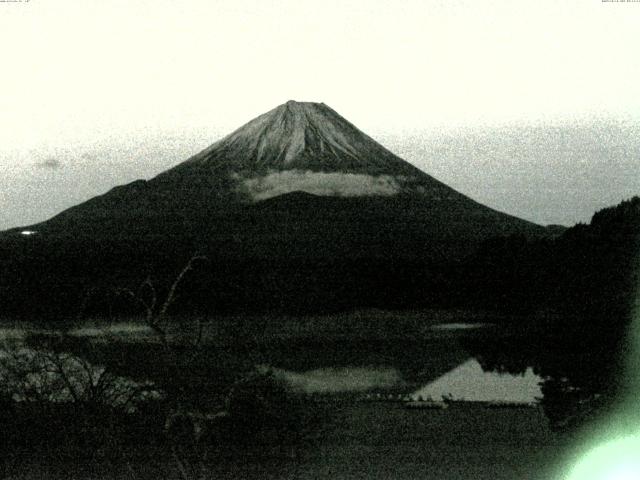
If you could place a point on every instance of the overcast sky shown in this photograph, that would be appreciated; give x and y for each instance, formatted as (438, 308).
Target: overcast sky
(532, 107)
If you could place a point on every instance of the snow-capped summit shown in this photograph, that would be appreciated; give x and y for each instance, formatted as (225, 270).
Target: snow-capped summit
(309, 147)
(304, 136)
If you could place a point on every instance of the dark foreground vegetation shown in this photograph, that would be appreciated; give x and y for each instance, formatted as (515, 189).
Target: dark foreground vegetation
(64, 416)
(585, 271)
(131, 417)
(187, 406)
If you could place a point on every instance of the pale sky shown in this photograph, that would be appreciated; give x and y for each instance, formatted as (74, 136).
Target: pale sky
(488, 96)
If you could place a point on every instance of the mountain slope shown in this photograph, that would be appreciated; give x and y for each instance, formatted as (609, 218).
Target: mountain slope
(295, 147)
(304, 136)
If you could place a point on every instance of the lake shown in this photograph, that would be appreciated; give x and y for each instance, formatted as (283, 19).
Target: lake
(340, 372)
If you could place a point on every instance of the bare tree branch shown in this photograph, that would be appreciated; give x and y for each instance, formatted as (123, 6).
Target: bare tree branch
(171, 296)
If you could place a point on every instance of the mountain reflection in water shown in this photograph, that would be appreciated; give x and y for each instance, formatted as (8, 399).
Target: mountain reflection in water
(460, 361)
(470, 382)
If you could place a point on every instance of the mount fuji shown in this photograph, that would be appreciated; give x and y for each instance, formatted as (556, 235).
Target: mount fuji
(298, 147)
(298, 203)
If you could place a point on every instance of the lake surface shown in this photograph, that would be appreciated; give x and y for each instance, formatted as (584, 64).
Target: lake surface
(358, 439)
(347, 367)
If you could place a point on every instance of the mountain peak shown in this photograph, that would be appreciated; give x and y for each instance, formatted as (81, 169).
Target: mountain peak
(305, 136)
(296, 103)
(302, 110)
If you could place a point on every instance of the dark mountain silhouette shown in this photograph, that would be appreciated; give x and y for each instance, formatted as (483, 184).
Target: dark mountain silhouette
(295, 147)
(317, 211)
